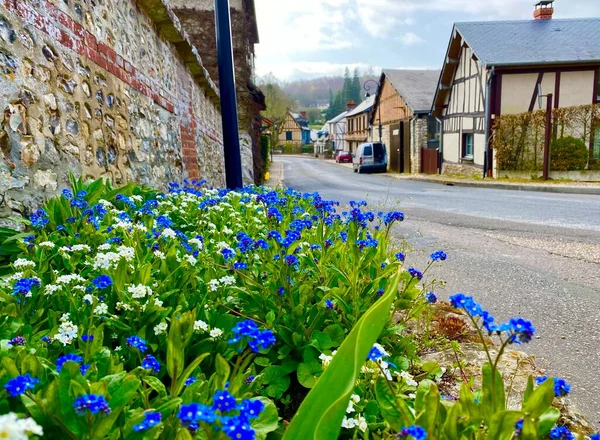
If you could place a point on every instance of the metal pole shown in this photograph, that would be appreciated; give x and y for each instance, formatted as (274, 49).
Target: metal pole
(229, 115)
(548, 136)
(380, 127)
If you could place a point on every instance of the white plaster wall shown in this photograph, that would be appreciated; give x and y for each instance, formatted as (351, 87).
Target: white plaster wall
(576, 88)
(451, 147)
(479, 149)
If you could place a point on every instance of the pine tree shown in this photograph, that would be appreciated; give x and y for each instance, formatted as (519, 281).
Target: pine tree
(356, 95)
(347, 89)
(329, 115)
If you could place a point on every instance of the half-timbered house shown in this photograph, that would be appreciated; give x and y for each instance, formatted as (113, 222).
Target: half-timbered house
(295, 130)
(496, 67)
(400, 118)
(357, 123)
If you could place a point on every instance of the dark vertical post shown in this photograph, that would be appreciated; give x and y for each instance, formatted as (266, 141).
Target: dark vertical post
(548, 136)
(380, 127)
(229, 114)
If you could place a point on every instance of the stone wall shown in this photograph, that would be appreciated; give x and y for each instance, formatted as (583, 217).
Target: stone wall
(462, 169)
(98, 90)
(418, 135)
(198, 19)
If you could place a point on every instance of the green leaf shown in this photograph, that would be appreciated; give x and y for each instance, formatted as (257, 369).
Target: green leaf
(502, 425)
(223, 371)
(427, 405)
(450, 428)
(492, 384)
(189, 370)
(321, 413)
(336, 333)
(156, 384)
(547, 421)
(267, 421)
(541, 399)
(393, 410)
(309, 372)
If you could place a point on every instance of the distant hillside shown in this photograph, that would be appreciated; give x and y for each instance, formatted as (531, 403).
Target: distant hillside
(315, 92)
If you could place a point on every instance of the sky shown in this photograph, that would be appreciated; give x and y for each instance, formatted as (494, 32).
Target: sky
(303, 39)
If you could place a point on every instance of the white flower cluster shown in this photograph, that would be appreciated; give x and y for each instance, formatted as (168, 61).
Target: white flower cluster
(67, 331)
(197, 242)
(355, 398)
(168, 233)
(101, 309)
(325, 359)
(75, 248)
(110, 260)
(70, 278)
(356, 422)
(51, 289)
(47, 244)
(13, 428)
(202, 327)
(23, 263)
(227, 280)
(161, 328)
(139, 291)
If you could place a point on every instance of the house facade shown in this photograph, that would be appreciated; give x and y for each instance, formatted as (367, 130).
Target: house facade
(497, 68)
(295, 130)
(400, 117)
(336, 129)
(358, 124)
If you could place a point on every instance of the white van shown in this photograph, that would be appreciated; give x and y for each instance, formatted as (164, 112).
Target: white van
(371, 156)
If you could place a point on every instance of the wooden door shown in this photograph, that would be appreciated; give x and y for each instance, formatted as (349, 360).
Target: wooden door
(405, 147)
(395, 141)
(429, 161)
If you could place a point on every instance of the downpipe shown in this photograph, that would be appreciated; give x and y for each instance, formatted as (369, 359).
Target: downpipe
(488, 129)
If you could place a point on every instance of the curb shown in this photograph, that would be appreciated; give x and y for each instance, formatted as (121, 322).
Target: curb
(485, 185)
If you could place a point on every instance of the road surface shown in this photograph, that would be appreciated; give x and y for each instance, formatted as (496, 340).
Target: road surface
(529, 254)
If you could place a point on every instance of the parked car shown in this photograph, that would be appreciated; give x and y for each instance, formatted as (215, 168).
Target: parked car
(344, 157)
(371, 156)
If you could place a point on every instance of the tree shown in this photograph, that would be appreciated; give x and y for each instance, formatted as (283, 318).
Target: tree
(355, 88)
(330, 110)
(277, 101)
(347, 89)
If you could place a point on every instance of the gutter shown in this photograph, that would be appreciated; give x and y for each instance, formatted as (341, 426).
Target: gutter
(488, 129)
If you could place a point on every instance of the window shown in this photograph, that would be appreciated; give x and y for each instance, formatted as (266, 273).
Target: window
(288, 136)
(368, 151)
(467, 147)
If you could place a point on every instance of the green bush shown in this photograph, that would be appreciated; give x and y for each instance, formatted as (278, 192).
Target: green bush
(568, 154)
(265, 150)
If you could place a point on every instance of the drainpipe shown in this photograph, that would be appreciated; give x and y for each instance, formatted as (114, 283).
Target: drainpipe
(488, 110)
(441, 135)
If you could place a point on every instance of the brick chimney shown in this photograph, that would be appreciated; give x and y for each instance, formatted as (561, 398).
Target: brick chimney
(304, 115)
(350, 105)
(544, 10)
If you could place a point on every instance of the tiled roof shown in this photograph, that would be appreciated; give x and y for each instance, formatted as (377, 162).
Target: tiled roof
(529, 42)
(364, 106)
(416, 87)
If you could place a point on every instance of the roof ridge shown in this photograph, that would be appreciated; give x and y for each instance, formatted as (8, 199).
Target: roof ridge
(529, 21)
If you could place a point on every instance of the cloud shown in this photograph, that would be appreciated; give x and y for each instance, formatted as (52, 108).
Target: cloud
(311, 69)
(410, 39)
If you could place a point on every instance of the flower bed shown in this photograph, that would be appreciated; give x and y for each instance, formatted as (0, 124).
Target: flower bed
(210, 314)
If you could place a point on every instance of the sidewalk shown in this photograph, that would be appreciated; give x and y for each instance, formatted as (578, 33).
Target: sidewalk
(589, 188)
(275, 175)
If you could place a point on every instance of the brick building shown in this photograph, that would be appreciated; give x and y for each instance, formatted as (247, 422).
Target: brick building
(198, 19)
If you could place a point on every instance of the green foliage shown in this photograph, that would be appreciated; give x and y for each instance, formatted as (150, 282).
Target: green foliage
(320, 415)
(518, 140)
(265, 151)
(172, 286)
(568, 154)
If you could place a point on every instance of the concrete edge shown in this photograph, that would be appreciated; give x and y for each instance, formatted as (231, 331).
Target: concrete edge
(486, 185)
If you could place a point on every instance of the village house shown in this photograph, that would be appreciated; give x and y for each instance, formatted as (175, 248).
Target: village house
(358, 124)
(336, 130)
(400, 118)
(295, 130)
(494, 68)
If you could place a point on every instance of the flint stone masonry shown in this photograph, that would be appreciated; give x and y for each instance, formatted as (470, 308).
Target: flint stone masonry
(110, 88)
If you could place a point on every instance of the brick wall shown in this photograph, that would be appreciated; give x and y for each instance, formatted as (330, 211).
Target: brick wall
(94, 88)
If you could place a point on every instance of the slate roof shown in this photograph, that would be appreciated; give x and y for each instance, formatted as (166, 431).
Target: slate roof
(300, 120)
(533, 42)
(416, 87)
(338, 118)
(364, 106)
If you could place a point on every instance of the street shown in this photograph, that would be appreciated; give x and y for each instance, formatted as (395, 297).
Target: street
(519, 253)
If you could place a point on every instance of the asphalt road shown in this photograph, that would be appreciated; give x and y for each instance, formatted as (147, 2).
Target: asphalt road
(529, 254)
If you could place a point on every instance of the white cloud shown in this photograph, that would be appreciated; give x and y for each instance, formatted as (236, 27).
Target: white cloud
(311, 69)
(410, 39)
